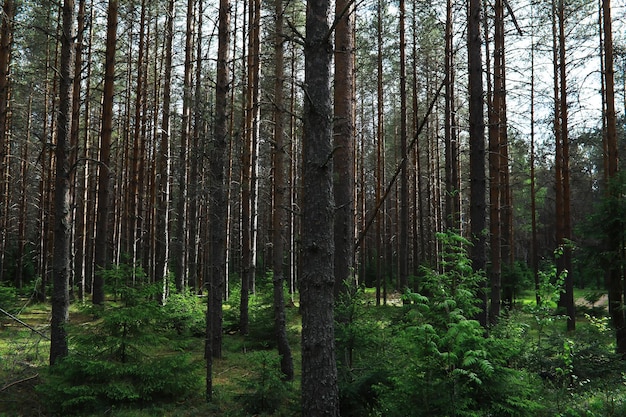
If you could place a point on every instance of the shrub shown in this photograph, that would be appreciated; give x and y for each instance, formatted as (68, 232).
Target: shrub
(77, 385)
(116, 360)
(265, 390)
(185, 314)
(450, 366)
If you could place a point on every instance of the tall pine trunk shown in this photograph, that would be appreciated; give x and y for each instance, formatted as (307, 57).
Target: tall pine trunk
(615, 236)
(477, 148)
(6, 44)
(319, 368)
(280, 200)
(343, 156)
(180, 242)
(218, 158)
(163, 167)
(403, 250)
(106, 132)
(62, 228)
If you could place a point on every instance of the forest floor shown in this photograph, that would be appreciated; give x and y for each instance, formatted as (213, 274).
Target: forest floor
(602, 302)
(24, 358)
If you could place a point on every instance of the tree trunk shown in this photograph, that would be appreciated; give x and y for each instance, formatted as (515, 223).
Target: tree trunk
(493, 111)
(615, 275)
(102, 221)
(217, 203)
(477, 149)
(138, 154)
(319, 368)
(453, 192)
(194, 183)
(62, 229)
(23, 206)
(533, 188)
(403, 252)
(564, 228)
(343, 155)
(162, 244)
(6, 44)
(77, 182)
(180, 243)
(380, 154)
(280, 200)
(250, 165)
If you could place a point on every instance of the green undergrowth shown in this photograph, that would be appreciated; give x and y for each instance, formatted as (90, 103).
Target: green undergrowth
(138, 357)
(422, 355)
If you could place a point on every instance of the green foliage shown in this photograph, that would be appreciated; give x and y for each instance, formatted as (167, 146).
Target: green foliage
(262, 333)
(186, 314)
(449, 365)
(362, 358)
(124, 330)
(79, 385)
(265, 390)
(116, 360)
(8, 296)
(123, 277)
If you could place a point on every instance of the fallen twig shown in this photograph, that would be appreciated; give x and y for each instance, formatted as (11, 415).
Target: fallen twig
(7, 386)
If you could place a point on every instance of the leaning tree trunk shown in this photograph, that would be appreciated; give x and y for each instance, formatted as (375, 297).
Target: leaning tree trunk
(62, 229)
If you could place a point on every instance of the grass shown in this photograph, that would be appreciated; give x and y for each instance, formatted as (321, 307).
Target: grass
(24, 356)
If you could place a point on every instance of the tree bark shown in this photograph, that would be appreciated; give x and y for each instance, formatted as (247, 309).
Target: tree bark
(564, 234)
(343, 156)
(477, 149)
(62, 229)
(614, 243)
(162, 244)
(102, 221)
(403, 250)
(280, 200)
(180, 243)
(6, 44)
(319, 368)
(217, 203)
